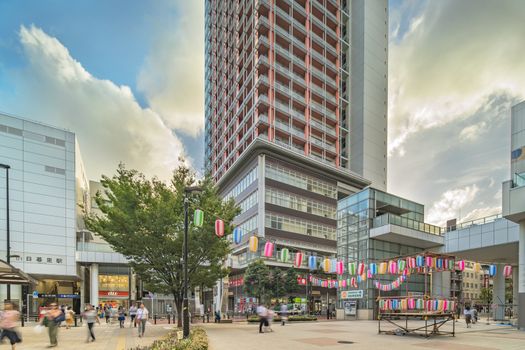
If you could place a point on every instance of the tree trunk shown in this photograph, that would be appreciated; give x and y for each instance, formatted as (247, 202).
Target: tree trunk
(178, 306)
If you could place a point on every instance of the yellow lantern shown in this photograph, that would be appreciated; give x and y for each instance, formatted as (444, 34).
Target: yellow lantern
(477, 267)
(326, 265)
(254, 244)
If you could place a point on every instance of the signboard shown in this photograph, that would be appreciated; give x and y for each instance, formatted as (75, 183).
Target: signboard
(102, 293)
(350, 307)
(59, 296)
(35, 294)
(352, 294)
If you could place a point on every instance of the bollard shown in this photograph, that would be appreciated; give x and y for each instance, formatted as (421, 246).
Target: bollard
(76, 319)
(169, 319)
(22, 319)
(155, 319)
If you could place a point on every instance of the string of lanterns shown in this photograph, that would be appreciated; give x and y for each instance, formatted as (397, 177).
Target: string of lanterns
(403, 266)
(390, 286)
(403, 304)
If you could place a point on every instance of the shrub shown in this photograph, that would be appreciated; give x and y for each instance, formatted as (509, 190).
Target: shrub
(198, 340)
(255, 319)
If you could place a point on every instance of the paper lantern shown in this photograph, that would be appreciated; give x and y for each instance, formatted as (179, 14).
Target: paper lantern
(451, 265)
(477, 267)
(353, 282)
(420, 261)
(253, 244)
(360, 268)
(268, 249)
(237, 235)
(198, 218)
(507, 270)
(461, 265)
(363, 277)
(326, 265)
(340, 268)
(411, 262)
(372, 269)
(382, 268)
(219, 228)
(492, 270)
(411, 303)
(285, 254)
(439, 263)
(343, 283)
(298, 261)
(369, 274)
(312, 262)
(429, 261)
(333, 265)
(393, 267)
(359, 280)
(352, 268)
(401, 264)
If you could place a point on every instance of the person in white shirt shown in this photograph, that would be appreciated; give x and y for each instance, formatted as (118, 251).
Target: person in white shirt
(142, 318)
(262, 311)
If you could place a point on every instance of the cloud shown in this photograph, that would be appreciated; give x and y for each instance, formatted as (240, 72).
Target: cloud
(109, 123)
(479, 213)
(450, 62)
(450, 203)
(172, 78)
(472, 132)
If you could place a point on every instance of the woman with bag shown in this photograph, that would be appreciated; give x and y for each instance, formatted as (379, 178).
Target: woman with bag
(70, 317)
(8, 323)
(52, 321)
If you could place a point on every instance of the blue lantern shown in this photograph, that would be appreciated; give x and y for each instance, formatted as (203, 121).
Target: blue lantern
(312, 262)
(237, 235)
(492, 270)
(420, 261)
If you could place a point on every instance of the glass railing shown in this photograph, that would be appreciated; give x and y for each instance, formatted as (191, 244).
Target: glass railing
(319, 108)
(388, 218)
(322, 76)
(518, 180)
(94, 247)
(480, 221)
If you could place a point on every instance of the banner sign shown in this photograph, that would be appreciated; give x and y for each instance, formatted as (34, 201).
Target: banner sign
(352, 294)
(102, 293)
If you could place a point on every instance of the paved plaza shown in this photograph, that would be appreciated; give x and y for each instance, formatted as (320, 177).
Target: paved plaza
(362, 334)
(109, 337)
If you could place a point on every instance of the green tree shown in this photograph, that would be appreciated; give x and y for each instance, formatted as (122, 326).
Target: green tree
(257, 280)
(143, 220)
(486, 295)
(290, 281)
(277, 283)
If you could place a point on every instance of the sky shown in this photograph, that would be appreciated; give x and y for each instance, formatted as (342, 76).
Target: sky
(128, 78)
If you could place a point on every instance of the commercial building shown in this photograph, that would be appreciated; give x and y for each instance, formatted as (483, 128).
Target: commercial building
(47, 185)
(280, 135)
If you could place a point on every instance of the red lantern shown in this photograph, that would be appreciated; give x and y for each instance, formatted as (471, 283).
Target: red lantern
(298, 261)
(219, 228)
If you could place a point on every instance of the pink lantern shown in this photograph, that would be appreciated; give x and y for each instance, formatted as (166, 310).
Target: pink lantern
(340, 268)
(369, 274)
(429, 261)
(353, 282)
(360, 268)
(343, 282)
(507, 270)
(393, 267)
(268, 249)
(461, 265)
(298, 261)
(219, 228)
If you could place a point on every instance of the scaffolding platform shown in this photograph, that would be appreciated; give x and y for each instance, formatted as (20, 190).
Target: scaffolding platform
(433, 321)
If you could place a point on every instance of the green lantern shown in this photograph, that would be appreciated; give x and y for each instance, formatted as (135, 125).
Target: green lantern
(285, 254)
(198, 217)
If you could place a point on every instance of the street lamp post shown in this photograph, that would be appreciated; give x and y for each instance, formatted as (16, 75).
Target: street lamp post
(7, 167)
(185, 311)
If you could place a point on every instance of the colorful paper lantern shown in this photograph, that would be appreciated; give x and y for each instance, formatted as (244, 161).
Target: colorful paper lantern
(507, 270)
(461, 265)
(429, 261)
(439, 263)
(420, 261)
(219, 228)
(268, 249)
(285, 254)
(360, 268)
(298, 261)
(492, 270)
(392, 267)
(401, 264)
(237, 235)
(333, 265)
(312, 262)
(411, 262)
(477, 267)
(382, 268)
(198, 218)
(340, 268)
(326, 265)
(451, 265)
(372, 269)
(352, 268)
(253, 244)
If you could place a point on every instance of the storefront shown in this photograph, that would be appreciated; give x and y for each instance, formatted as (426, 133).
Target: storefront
(113, 290)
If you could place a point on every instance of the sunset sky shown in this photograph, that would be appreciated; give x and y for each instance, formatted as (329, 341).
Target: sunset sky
(128, 78)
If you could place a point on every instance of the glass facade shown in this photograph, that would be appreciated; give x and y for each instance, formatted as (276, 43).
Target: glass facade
(359, 213)
(246, 181)
(301, 226)
(296, 202)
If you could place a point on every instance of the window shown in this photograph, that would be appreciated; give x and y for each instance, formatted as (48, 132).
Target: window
(296, 225)
(293, 201)
(246, 181)
(52, 169)
(248, 202)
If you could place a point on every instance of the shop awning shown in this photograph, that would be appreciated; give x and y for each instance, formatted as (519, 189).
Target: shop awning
(11, 275)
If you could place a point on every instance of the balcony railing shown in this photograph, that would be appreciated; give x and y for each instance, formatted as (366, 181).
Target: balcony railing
(388, 218)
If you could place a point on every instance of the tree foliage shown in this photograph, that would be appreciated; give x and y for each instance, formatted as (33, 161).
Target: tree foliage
(264, 283)
(144, 221)
(486, 295)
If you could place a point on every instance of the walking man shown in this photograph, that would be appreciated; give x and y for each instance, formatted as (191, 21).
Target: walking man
(8, 323)
(133, 314)
(262, 311)
(90, 315)
(52, 320)
(142, 318)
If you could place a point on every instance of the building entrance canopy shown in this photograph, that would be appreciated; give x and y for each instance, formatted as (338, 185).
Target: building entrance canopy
(11, 275)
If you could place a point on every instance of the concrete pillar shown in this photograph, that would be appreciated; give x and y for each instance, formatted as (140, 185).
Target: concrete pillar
(133, 284)
(93, 293)
(521, 279)
(82, 287)
(515, 295)
(498, 296)
(441, 284)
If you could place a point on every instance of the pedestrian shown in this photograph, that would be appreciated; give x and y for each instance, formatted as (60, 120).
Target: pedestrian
(468, 315)
(132, 315)
(142, 318)
(217, 316)
(328, 312)
(121, 316)
(284, 313)
(8, 323)
(474, 314)
(262, 311)
(90, 316)
(70, 317)
(52, 320)
(107, 313)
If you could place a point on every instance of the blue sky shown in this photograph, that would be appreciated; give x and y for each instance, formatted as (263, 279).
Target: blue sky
(127, 77)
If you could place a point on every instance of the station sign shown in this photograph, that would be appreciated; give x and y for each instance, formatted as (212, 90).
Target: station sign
(352, 294)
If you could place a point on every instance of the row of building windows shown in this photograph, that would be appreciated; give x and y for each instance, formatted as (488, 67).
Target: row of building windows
(470, 285)
(293, 201)
(296, 225)
(248, 202)
(471, 295)
(31, 135)
(297, 179)
(249, 225)
(246, 181)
